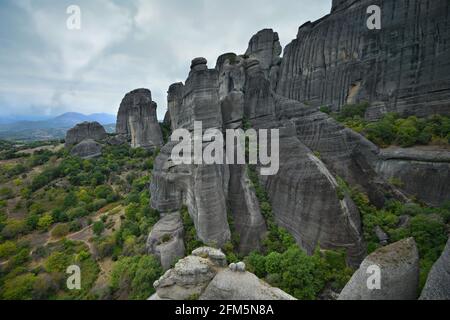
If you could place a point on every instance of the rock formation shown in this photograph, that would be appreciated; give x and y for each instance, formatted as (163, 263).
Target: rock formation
(304, 193)
(422, 173)
(166, 240)
(204, 189)
(137, 120)
(205, 276)
(399, 277)
(437, 286)
(404, 67)
(333, 61)
(87, 149)
(85, 130)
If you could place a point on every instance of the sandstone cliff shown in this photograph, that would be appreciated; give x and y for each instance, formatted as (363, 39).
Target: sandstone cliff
(404, 67)
(334, 61)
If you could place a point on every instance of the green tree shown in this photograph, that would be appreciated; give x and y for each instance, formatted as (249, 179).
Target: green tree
(134, 276)
(45, 221)
(19, 288)
(98, 228)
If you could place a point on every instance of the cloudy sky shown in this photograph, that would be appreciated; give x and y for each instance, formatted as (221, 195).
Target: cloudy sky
(47, 69)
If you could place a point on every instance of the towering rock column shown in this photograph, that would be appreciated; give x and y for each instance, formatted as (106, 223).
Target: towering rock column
(198, 186)
(137, 120)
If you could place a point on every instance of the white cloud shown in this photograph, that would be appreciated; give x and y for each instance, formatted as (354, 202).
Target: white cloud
(123, 45)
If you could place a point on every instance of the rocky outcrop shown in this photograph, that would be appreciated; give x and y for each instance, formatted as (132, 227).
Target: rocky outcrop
(265, 47)
(205, 276)
(244, 206)
(166, 240)
(306, 201)
(202, 188)
(87, 149)
(399, 274)
(437, 286)
(403, 67)
(237, 285)
(83, 131)
(419, 172)
(208, 191)
(304, 193)
(137, 120)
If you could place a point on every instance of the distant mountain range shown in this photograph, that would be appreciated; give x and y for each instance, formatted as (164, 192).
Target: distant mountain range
(15, 128)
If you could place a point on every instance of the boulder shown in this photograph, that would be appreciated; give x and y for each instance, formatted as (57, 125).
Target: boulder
(166, 240)
(215, 255)
(85, 130)
(229, 285)
(187, 279)
(137, 120)
(399, 277)
(87, 149)
(116, 140)
(205, 276)
(437, 286)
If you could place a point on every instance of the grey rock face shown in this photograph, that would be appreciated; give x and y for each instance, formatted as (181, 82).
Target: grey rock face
(305, 201)
(437, 286)
(137, 120)
(200, 187)
(399, 265)
(403, 67)
(187, 279)
(346, 153)
(244, 206)
(265, 47)
(229, 285)
(87, 149)
(204, 275)
(166, 240)
(85, 130)
(381, 235)
(215, 255)
(116, 140)
(204, 189)
(421, 173)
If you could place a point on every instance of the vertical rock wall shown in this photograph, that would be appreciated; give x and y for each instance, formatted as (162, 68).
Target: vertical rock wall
(404, 67)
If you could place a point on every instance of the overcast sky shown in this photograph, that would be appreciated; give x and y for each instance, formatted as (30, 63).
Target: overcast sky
(47, 69)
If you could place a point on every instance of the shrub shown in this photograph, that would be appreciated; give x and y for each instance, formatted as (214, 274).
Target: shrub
(61, 230)
(45, 221)
(7, 249)
(98, 228)
(13, 228)
(57, 262)
(134, 276)
(19, 288)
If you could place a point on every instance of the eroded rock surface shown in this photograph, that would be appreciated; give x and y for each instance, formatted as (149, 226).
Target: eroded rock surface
(399, 266)
(419, 172)
(83, 131)
(205, 276)
(403, 67)
(229, 285)
(87, 149)
(166, 240)
(137, 120)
